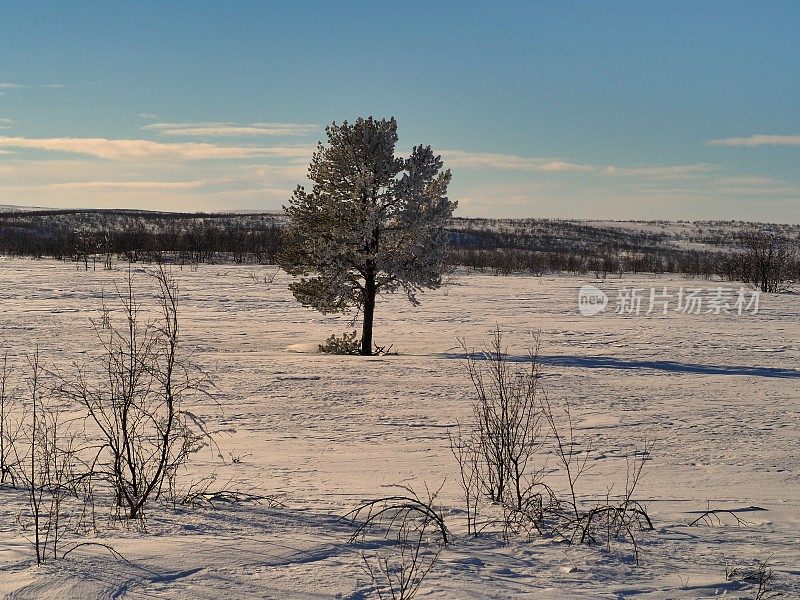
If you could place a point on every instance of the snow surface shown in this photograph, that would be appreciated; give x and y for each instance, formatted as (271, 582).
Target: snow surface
(16, 208)
(718, 394)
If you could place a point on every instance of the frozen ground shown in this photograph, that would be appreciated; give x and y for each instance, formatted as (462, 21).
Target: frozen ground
(718, 394)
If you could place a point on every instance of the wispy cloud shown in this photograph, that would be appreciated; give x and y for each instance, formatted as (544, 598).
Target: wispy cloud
(512, 162)
(5, 85)
(294, 171)
(757, 140)
(749, 181)
(660, 172)
(226, 129)
(149, 150)
(152, 186)
(756, 185)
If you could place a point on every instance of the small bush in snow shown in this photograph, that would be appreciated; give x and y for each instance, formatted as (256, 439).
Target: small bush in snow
(419, 532)
(134, 395)
(348, 343)
(9, 428)
(502, 455)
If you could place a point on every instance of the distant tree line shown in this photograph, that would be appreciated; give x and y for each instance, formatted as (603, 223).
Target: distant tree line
(600, 262)
(99, 237)
(765, 256)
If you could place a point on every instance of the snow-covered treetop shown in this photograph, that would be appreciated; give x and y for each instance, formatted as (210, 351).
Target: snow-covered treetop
(370, 219)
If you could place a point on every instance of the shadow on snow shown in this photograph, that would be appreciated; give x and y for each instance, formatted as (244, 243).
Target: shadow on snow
(671, 366)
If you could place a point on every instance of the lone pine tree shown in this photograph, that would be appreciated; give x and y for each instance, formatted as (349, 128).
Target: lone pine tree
(373, 223)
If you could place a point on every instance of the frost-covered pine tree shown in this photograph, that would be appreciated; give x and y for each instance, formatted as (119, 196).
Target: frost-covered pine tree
(373, 223)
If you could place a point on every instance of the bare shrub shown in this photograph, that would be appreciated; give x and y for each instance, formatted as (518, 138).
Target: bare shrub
(418, 532)
(462, 447)
(136, 399)
(502, 453)
(399, 576)
(384, 512)
(714, 517)
(761, 576)
(9, 426)
(204, 494)
(47, 467)
(619, 517)
(571, 458)
(497, 453)
(105, 313)
(267, 278)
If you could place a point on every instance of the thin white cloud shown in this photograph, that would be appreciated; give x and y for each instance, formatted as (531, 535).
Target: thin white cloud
(660, 172)
(757, 140)
(151, 195)
(152, 186)
(749, 181)
(6, 85)
(291, 171)
(755, 185)
(512, 162)
(509, 162)
(148, 150)
(70, 180)
(714, 188)
(226, 129)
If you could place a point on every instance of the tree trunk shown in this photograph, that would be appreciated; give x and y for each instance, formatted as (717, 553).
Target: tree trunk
(369, 313)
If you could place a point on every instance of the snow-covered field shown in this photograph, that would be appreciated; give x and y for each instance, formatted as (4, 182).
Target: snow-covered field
(719, 395)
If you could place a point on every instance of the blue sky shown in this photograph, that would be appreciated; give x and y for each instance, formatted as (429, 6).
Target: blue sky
(680, 110)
